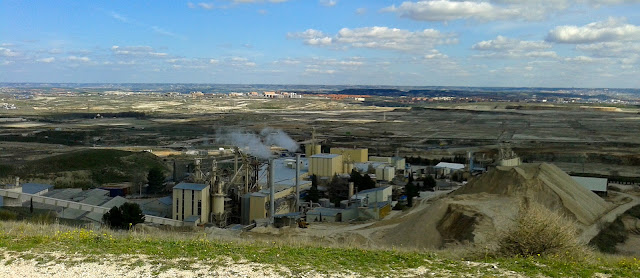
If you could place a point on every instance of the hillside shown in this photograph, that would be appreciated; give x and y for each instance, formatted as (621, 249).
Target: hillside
(86, 168)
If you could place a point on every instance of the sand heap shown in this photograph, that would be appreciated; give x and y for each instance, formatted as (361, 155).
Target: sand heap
(489, 203)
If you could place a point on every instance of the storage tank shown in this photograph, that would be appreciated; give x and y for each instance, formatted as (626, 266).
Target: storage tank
(218, 204)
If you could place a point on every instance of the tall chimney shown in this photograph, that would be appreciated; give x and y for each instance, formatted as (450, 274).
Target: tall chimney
(272, 193)
(350, 190)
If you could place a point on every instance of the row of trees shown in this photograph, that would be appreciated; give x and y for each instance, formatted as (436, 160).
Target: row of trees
(462, 159)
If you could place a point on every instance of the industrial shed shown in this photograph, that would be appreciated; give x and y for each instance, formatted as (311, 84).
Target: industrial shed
(596, 185)
(324, 215)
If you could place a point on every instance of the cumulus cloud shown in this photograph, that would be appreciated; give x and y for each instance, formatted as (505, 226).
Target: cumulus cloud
(613, 29)
(378, 38)
(513, 48)
(47, 60)
(6, 52)
(140, 51)
(328, 3)
(446, 10)
(610, 49)
(79, 59)
(490, 10)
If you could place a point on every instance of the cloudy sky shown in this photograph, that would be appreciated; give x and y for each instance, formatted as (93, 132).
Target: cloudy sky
(546, 43)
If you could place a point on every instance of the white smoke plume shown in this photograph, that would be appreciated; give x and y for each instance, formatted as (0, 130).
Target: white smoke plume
(258, 145)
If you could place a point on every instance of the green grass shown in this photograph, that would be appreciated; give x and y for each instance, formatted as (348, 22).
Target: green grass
(171, 250)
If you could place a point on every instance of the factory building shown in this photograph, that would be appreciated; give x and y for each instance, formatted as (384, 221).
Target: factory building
(326, 165)
(446, 168)
(356, 155)
(191, 202)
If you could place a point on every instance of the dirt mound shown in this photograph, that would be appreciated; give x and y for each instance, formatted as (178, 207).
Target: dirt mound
(545, 184)
(487, 205)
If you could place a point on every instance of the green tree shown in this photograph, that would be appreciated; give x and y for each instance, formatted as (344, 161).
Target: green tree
(313, 195)
(367, 183)
(156, 180)
(411, 191)
(429, 183)
(124, 217)
(337, 189)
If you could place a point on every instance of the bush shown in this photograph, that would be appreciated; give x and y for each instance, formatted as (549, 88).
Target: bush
(7, 215)
(124, 217)
(537, 231)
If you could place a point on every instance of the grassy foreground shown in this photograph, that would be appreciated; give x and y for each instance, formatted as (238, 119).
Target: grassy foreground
(179, 250)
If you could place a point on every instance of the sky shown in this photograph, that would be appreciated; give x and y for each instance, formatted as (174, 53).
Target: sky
(496, 43)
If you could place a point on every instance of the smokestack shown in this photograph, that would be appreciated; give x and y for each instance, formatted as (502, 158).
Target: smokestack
(297, 182)
(17, 181)
(350, 190)
(272, 193)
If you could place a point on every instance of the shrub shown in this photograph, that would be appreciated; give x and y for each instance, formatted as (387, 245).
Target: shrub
(538, 231)
(124, 217)
(7, 215)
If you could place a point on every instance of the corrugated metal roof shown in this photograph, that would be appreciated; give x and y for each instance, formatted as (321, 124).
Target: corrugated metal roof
(166, 200)
(115, 202)
(190, 186)
(454, 166)
(35, 188)
(192, 218)
(373, 190)
(593, 184)
(324, 155)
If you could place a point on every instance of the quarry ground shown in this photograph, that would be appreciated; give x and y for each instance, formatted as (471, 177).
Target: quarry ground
(576, 137)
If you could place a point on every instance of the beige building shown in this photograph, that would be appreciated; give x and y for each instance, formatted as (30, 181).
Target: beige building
(325, 165)
(191, 202)
(356, 155)
(380, 159)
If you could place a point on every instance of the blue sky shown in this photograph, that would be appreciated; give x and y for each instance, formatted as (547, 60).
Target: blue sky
(546, 43)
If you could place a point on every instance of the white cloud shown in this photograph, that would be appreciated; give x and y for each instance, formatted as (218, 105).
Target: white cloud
(119, 17)
(491, 10)
(361, 10)
(47, 60)
(610, 49)
(445, 10)
(6, 52)
(79, 59)
(435, 54)
(378, 38)
(142, 51)
(328, 3)
(213, 61)
(206, 6)
(503, 47)
(613, 29)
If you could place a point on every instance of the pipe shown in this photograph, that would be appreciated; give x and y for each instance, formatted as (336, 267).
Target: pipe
(297, 182)
(272, 193)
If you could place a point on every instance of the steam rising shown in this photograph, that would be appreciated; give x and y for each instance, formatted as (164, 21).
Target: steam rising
(258, 145)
